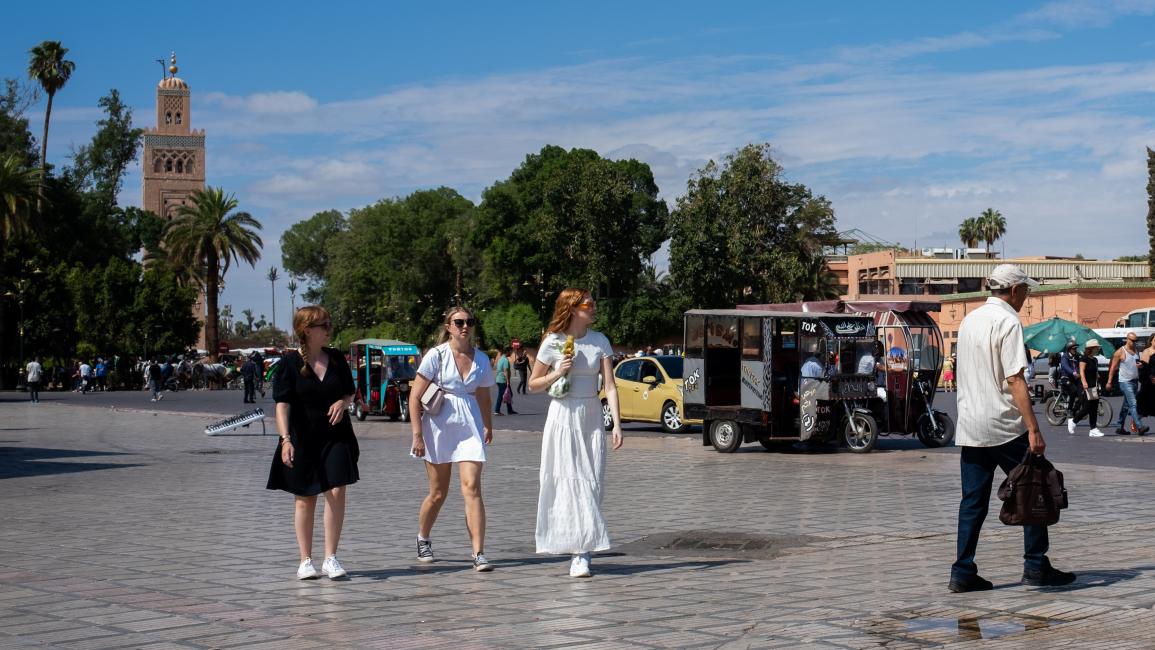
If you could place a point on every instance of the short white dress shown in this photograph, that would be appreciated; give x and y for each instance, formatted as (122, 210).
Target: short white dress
(456, 432)
(573, 453)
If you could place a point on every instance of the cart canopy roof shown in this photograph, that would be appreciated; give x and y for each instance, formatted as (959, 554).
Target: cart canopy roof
(756, 310)
(390, 346)
(847, 306)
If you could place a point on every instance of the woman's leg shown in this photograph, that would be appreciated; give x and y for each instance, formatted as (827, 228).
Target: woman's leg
(306, 507)
(334, 518)
(470, 474)
(438, 476)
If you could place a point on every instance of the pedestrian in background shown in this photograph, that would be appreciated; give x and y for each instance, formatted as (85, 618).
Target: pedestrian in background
(85, 377)
(317, 452)
(521, 365)
(101, 373)
(504, 376)
(994, 408)
(249, 379)
(1145, 399)
(32, 379)
(1089, 379)
(573, 446)
(1070, 382)
(457, 433)
(155, 380)
(948, 374)
(1125, 362)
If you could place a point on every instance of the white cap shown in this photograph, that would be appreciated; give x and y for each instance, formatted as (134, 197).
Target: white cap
(1006, 276)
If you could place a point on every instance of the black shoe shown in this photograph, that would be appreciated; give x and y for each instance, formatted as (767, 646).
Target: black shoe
(963, 585)
(512, 412)
(1048, 577)
(1122, 431)
(1143, 430)
(424, 551)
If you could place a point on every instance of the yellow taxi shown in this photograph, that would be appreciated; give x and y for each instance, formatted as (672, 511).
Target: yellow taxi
(649, 390)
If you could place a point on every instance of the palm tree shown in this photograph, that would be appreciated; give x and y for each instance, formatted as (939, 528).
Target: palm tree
(208, 235)
(248, 313)
(968, 232)
(992, 227)
(292, 287)
(48, 67)
(272, 277)
(17, 192)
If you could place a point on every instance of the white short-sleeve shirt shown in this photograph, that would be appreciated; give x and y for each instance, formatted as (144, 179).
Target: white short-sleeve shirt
(990, 349)
(589, 351)
(455, 433)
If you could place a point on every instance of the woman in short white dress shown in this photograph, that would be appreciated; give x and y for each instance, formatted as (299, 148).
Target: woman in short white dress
(459, 431)
(573, 446)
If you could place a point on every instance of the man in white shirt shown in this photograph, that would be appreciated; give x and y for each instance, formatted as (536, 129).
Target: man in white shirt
(34, 371)
(85, 376)
(994, 410)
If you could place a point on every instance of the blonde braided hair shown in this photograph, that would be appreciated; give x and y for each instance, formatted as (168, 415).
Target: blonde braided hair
(306, 317)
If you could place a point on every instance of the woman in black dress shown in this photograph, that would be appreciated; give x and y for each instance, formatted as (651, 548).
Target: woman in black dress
(313, 388)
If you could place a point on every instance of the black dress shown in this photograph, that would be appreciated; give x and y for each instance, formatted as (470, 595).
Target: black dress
(324, 455)
(1145, 400)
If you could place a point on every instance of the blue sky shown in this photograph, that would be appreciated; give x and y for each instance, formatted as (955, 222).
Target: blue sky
(909, 116)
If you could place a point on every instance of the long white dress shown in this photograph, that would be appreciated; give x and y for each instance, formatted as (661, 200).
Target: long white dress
(455, 433)
(573, 453)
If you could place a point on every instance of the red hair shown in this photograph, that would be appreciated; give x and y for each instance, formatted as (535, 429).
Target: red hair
(567, 301)
(306, 317)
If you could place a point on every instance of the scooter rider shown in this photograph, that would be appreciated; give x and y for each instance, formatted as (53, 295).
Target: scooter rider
(1069, 381)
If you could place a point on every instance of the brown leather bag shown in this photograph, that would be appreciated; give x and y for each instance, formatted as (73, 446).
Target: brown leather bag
(1032, 494)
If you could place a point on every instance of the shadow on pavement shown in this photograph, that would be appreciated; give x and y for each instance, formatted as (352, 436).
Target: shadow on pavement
(599, 566)
(1091, 578)
(21, 462)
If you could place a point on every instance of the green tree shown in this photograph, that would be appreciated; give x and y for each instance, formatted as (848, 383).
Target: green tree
(742, 234)
(249, 318)
(209, 235)
(304, 248)
(392, 269)
(17, 194)
(292, 287)
(518, 321)
(653, 312)
(48, 66)
(99, 166)
(992, 226)
(1151, 210)
(567, 218)
(272, 278)
(970, 232)
(161, 320)
(15, 137)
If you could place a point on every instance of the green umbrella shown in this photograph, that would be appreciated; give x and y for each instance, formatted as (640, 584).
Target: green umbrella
(1052, 336)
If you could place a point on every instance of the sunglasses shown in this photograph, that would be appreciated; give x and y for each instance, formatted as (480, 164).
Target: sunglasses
(586, 304)
(462, 322)
(325, 323)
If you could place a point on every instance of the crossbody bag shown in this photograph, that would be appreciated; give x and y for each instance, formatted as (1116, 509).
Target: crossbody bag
(434, 395)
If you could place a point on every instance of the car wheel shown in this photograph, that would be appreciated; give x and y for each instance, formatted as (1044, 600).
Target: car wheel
(607, 416)
(726, 435)
(672, 418)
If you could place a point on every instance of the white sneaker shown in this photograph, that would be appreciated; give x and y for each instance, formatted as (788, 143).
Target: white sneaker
(160, 397)
(1070, 425)
(307, 571)
(1096, 433)
(332, 568)
(154, 399)
(580, 566)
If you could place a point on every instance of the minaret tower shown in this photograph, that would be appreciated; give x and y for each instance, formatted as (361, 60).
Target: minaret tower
(174, 154)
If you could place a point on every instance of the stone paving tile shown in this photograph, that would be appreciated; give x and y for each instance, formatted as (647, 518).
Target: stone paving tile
(873, 576)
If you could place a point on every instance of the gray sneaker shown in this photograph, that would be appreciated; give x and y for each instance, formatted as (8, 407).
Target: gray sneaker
(424, 551)
(481, 564)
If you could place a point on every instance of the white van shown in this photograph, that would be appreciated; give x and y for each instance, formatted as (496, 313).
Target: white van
(1138, 318)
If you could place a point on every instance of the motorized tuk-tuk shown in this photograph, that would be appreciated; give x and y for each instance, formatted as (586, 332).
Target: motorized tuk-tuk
(382, 372)
(912, 347)
(779, 377)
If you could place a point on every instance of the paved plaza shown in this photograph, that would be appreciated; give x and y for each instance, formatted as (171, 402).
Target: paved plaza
(133, 529)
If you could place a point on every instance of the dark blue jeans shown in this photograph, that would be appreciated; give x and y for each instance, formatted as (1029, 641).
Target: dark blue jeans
(500, 395)
(978, 472)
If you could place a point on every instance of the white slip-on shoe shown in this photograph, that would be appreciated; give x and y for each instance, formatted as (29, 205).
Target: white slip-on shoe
(307, 571)
(580, 566)
(332, 568)
(1095, 433)
(1070, 425)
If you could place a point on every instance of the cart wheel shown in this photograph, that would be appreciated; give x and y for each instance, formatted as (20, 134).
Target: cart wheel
(936, 433)
(1056, 410)
(726, 436)
(867, 435)
(672, 418)
(360, 412)
(1106, 412)
(607, 416)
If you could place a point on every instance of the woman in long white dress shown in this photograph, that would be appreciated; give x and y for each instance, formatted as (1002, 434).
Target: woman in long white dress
(573, 446)
(458, 432)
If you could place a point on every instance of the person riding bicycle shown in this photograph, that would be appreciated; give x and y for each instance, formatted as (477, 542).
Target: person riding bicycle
(1069, 382)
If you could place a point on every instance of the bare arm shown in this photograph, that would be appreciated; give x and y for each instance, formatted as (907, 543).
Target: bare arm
(612, 400)
(484, 402)
(416, 390)
(1022, 398)
(1115, 359)
(543, 377)
(287, 452)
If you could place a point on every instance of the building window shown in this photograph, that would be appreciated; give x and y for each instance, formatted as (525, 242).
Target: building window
(156, 165)
(167, 118)
(180, 166)
(168, 165)
(178, 118)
